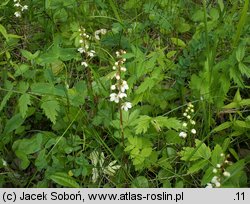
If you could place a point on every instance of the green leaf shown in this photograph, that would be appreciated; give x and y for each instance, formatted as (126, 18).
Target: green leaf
(29, 146)
(221, 5)
(140, 182)
(197, 166)
(178, 42)
(13, 123)
(48, 89)
(51, 108)
(240, 52)
(5, 100)
(21, 69)
(216, 157)
(24, 159)
(64, 179)
(23, 103)
(142, 124)
(235, 155)
(222, 126)
(146, 152)
(244, 69)
(28, 55)
(4, 32)
(41, 162)
(201, 151)
(207, 176)
(245, 102)
(170, 123)
(147, 85)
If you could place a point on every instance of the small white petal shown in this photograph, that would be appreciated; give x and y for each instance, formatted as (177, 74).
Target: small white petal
(184, 124)
(193, 131)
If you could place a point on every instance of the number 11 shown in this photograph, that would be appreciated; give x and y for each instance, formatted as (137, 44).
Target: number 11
(240, 196)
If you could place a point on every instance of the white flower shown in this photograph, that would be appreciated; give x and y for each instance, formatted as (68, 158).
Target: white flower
(192, 110)
(17, 5)
(183, 134)
(80, 41)
(86, 46)
(209, 185)
(193, 131)
(113, 87)
(117, 76)
(122, 95)
(222, 155)
(126, 106)
(114, 97)
(218, 165)
(185, 114)
(226, 174)
(84, 64)
(217, 184)
(192, 122)
(116, 63)
(124, 86)
(123, 69)
(215, 171)
(114, 67)
(190, 105)
(25, 7)
(184, 124)
(214, 179)
(91, 53)
(97, 36)
(103, 31)
(4, 162)
(188, 116)
(17, 14)
(81, 50)
(117, 54)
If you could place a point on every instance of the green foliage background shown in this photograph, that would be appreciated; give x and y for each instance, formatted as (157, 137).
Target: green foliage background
(54, 112)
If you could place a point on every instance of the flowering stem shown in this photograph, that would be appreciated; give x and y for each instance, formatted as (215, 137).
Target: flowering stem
(120, 107)
(121, 125)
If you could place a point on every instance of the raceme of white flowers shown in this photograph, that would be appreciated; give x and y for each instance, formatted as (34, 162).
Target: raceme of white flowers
(220, 173)
(97, 160)
(120, 87)
(98, 32)
(85, 44)
(20, 8)
(189, 124)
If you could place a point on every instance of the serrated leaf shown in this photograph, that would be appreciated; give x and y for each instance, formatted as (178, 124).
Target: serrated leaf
(244, 69)
(147, 85)
(170, 123)
(51, 108)
(64, 179)
(23, 103)
(240, 52)
(142, 124)
(197, 166)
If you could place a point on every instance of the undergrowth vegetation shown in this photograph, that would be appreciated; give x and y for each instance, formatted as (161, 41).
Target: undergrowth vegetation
(126, 93)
